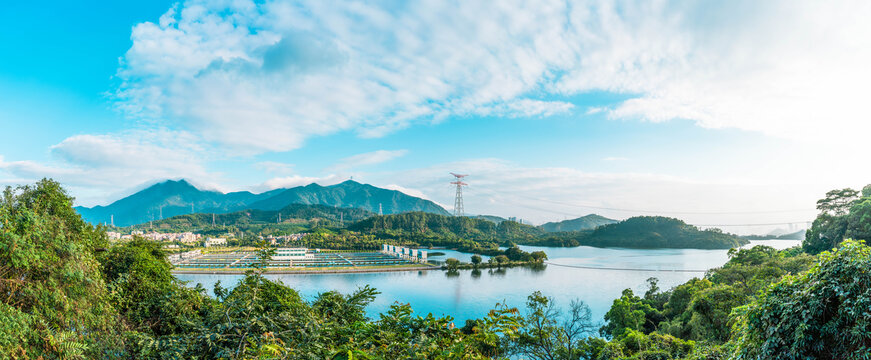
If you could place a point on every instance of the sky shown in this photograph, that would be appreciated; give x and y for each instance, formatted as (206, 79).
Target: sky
(735, 114)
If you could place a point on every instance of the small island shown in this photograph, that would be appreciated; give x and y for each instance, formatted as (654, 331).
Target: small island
(648, 232)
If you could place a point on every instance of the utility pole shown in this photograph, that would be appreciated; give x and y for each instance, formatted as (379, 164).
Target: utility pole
(458, 200)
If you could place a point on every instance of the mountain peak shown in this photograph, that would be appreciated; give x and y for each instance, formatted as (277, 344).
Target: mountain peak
(347, 183)
(171, 182)
(585, 222)
(177, 197)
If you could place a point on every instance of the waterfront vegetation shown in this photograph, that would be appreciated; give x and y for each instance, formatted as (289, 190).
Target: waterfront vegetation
(68, 293)
(510, 257)
(420, 229)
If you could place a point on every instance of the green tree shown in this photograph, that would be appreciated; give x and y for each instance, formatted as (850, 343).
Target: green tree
(476, 259)
(548, 333)
(825, 234)
(822, 313)
(452, 263)
(859, 220)
(54, 302)
(146, 294)
(628, 312)
(837, 202)
(539, 255)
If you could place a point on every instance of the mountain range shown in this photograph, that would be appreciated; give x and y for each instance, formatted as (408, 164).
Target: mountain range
(587, 222)
(179, 197)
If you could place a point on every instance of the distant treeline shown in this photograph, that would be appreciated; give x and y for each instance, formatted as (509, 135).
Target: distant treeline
(294, 216)
(646, 232)
(369, 231)
(798, 235)
(69, 293)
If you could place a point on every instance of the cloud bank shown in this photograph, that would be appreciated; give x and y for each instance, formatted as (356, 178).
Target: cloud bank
(265, 76)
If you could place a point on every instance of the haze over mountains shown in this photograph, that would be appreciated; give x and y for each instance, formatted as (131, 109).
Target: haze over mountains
(179, 197)
(587, 222)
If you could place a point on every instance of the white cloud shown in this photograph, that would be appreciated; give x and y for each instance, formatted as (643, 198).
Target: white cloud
(540, 194)
(369, 158)
(296, 180)
(275, 167)
(99, 166)
(266, 76)
(413, 192)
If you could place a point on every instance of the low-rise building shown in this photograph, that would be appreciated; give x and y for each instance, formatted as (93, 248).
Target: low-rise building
(291, 254)
(215, 242)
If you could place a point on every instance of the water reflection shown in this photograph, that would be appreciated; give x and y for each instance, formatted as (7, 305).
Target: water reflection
(467, 294)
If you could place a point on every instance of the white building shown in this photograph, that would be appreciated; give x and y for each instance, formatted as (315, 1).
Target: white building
(215, 242)
(291, 254)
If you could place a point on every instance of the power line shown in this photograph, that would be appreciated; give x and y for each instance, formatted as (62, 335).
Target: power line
(666, 211)
(647, 211)
(624, 269)
(458, 199)
(654, 212)
(767, 224)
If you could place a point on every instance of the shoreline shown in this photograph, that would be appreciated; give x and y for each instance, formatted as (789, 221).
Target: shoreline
(302, 272)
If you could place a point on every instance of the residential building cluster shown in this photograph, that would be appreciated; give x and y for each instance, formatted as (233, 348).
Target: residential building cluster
(210, 242)
(283, 239)
(185, 237)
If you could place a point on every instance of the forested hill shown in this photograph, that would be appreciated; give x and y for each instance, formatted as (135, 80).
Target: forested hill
(179, 197)
(169, 198)
(587, 222)
(291, 214)
(445, 226)
(647, 232)
(350, 194)
(798, 235)
(660, 232)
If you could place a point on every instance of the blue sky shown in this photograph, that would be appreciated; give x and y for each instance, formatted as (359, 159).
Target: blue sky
(730, 113)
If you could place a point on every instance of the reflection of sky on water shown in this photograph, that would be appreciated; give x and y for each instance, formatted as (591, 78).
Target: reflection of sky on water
(467, 295)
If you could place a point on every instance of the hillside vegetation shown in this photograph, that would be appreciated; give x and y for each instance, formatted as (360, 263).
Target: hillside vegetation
(587, 222)
(70, 294)
(179, 197)
(647, 232)
(294, 214)
(423, 229)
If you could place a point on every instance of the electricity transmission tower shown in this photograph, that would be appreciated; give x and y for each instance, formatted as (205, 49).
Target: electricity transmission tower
(458, 201)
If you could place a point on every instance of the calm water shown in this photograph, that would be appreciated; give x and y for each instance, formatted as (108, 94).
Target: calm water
(467, 295)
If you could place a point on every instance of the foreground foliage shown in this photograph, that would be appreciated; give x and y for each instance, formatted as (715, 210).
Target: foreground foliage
(822, 313)
(65, 293)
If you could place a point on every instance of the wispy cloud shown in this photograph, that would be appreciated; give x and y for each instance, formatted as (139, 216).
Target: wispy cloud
(540, 194)
(364, 159)
(266, 76)
(275, 167)
(98, 165)
(295, 180)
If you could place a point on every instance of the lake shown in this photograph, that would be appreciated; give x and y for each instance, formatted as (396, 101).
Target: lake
(468, 296)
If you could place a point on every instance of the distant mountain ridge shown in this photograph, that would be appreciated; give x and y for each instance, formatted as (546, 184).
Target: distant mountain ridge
(587, 222)
(291, 214)
(648, 232)
(177, 197)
